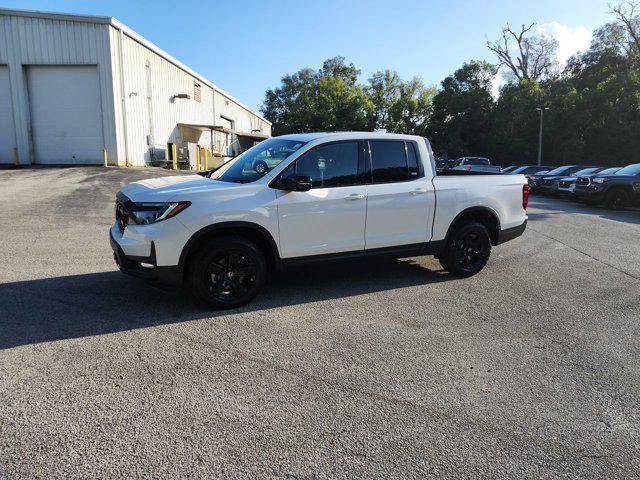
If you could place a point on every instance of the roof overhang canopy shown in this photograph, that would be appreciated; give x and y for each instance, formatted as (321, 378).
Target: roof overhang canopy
(192, 131)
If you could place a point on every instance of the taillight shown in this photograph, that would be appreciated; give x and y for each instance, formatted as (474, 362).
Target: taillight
(525, 195)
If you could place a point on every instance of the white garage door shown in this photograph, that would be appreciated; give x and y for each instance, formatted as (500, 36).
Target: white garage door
(66, 118)
(7, 132)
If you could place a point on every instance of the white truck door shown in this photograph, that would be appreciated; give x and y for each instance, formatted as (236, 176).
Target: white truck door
(329, 218)
(400, 200)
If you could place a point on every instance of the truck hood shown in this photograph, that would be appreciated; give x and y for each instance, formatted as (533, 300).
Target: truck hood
(164, 189)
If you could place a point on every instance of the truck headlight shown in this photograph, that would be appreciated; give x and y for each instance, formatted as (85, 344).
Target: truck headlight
(600, 180)
(147, 213)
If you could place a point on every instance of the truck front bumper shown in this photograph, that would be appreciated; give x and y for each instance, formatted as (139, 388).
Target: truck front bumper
(145, 267)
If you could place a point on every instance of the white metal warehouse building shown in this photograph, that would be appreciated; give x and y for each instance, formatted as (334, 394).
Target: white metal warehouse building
(75, 89)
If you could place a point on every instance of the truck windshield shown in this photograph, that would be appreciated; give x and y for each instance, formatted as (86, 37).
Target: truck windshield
(256, 162)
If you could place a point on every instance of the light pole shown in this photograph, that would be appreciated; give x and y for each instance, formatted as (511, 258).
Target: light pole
(541, 110)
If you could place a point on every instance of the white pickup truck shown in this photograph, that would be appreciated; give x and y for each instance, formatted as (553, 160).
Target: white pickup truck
(324, 196)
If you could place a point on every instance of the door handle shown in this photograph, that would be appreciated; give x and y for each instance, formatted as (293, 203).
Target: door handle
(355, 196)
(418, 191)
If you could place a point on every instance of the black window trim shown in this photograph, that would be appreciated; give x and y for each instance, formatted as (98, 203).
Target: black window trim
(406, 159)
(361, 172)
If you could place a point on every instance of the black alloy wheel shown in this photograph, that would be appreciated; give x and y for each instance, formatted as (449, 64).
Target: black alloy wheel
(227, 272)
(467, 251)
(230, 275)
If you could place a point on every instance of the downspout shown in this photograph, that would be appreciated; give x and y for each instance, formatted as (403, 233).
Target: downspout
(124, 102)
(213, 110)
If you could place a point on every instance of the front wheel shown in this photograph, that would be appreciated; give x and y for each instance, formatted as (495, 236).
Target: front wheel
(467, 251)
(227, 272)
(616, 199)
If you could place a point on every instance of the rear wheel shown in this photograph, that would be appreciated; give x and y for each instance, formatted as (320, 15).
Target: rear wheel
(467, 251)
(616, 199)
(227, 272)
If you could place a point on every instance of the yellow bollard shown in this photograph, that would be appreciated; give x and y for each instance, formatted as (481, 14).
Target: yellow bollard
(174, 155)
(104, 157)
(197, 158)
(204, 160)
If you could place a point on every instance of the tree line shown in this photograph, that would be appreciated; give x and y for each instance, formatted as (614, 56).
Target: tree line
(593, 103)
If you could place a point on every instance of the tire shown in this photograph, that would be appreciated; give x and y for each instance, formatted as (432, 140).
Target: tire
(227, 272)
(467, 250)
(616, 199)
(261, 167)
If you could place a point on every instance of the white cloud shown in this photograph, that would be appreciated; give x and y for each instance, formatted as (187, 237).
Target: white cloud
(570, 40)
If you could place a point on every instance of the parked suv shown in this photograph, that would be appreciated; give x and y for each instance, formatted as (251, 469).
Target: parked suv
(528, 170)
(566, 185)
(541, 182)
(616, 191)
(333, 196)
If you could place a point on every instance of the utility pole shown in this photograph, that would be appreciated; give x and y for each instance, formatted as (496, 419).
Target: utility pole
(541, 110)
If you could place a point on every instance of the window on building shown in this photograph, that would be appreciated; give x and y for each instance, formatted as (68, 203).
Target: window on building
(389, 161)
(197, 92)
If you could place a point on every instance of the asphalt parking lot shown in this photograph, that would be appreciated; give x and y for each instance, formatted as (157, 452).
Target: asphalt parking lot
(382, 369)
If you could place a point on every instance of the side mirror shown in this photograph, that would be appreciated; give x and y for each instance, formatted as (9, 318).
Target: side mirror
(294, 183)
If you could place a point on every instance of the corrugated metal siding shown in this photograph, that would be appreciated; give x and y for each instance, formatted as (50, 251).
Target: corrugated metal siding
(36, 41)
(167, 81)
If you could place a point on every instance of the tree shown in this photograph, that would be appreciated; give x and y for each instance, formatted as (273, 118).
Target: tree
(628, 24)
(398, 106)
(533, 58)
(323, 100)
(461, 117)
(330, 99)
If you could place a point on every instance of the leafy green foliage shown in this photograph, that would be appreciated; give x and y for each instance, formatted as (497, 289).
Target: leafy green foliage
(330, 99)
(462, 110)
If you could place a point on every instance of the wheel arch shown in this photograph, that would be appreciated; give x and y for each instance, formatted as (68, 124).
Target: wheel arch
(251, 231)
(484, 215)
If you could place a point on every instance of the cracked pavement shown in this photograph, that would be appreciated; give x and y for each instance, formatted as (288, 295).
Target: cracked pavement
(384, 368)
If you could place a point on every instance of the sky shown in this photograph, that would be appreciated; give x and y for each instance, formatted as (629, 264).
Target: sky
(246, 46)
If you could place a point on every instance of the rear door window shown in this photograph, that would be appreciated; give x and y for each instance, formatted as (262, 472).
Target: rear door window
(412, 161)
(389, 161)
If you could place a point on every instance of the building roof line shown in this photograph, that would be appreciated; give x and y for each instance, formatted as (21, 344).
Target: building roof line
(115, 23)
